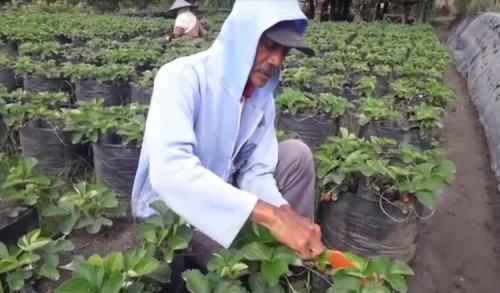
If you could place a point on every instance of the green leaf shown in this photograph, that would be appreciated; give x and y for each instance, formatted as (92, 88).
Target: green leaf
(258, 284)
(69, 223)
(4, 252)
(77, 285)
(288, 256)
(345, 284)
(379, 265)
(374, 287)
(256, 252)
(134, 288)
(7, 265)
(16, 280)
(49, 271)
(145, 266)
(397, 282)
(400, 268)
(358, 262)
(273, 270)
(226, 287)
(113, 262)
(196, 282)
(53, 211)
(181, 238)
(28, 258)
(114, 282)
(426, 198)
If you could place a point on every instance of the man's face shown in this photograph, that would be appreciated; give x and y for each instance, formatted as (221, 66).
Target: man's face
(268, 61)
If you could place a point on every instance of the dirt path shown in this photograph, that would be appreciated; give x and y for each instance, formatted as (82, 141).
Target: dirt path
(460, 245)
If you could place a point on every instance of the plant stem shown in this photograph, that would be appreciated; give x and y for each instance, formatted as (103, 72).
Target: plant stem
(319, 275)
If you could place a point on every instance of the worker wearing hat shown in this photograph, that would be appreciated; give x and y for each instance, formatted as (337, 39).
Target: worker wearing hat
(186, 22)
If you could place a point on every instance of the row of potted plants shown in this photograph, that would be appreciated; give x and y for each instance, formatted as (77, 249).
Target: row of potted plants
(67, 139)
(254, 263)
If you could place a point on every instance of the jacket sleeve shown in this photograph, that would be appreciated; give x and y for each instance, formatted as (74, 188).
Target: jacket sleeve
(257, 175)
(202, 198)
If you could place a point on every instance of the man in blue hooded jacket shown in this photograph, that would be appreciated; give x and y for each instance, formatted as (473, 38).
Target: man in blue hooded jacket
(210, 150)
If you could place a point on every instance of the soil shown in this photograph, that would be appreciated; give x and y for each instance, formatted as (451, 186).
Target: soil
(459, 247)
(119, 237)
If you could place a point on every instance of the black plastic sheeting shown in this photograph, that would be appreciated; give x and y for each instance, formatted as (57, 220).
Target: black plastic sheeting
(392, 130)
(474, 45)
(54, 151)
(8, 79)
(142, 96)
(36, 84)
(18, 227)
(357, 223)
(313, 130)
(114, 94)
(115, 165)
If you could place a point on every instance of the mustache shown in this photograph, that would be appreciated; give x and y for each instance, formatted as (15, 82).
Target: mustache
(265, 69)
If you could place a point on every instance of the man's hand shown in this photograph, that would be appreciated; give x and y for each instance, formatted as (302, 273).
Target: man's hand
(298, 233)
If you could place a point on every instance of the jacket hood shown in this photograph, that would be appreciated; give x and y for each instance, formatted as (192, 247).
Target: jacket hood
(233, 52)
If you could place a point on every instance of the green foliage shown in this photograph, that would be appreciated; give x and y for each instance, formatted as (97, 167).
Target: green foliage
(91, 120)
(386, 168)
(34, 257)
(86, 206)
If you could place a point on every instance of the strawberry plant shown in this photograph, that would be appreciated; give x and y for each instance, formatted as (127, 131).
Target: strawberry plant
(33, 258)
(48, 68)
(165, 232)
(372, 109)
(106, 74)
(376, 274)
(117, 272)
(86, 206)
(25, 188)
(427, 118)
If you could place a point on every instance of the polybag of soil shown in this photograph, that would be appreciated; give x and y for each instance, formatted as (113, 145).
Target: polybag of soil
(8, 79)
(115, 94)
(360, 223)
(389, 129)
(36, 84)
(313, 130)
(142, 96)
(115, 165)
(54, 151)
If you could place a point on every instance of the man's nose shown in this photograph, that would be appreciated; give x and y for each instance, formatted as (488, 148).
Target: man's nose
(276, 58)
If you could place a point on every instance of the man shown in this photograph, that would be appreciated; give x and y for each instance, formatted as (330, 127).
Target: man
(186, 22)
(210, 150)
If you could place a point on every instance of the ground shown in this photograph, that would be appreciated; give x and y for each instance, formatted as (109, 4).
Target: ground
(120, 237)
(460, 245)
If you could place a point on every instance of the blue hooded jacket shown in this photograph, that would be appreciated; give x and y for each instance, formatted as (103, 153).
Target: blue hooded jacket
(195, 140)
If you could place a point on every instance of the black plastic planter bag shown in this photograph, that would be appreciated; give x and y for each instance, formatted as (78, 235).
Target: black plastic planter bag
(36, 84)
(54, 151)
(8, 79)
(392, 130)
(11, 229)
(358, 223)
(115, 165)
(313, 130)
(142, 96)
(115, 94)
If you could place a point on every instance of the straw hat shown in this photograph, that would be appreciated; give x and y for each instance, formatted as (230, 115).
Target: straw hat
(180, 4)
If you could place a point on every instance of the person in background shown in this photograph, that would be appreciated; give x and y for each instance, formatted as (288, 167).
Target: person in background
(186, 22)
